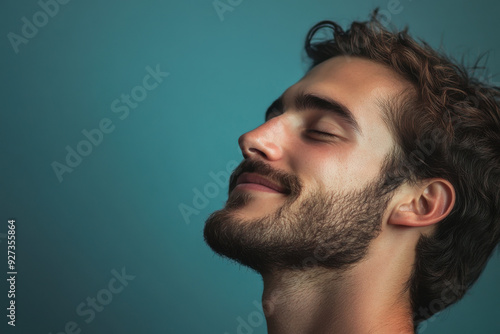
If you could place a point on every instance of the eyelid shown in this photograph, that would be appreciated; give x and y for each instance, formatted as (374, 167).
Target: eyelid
(326, 134)
(321, 133)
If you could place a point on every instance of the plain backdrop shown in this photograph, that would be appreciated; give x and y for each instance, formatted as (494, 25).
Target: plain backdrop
(67, 70)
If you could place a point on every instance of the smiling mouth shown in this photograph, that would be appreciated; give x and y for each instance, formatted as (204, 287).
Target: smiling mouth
(252, 181)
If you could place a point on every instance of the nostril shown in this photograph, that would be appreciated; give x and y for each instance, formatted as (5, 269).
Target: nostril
(257, 151)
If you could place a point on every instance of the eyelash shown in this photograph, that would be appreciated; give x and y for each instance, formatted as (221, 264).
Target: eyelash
(321, 133)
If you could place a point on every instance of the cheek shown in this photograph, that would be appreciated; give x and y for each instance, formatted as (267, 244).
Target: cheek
(340, 168)
(321, 167)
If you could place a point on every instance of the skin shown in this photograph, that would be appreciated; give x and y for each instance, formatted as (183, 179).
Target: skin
(369, 297)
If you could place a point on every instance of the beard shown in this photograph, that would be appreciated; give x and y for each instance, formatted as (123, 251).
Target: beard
(327, 229)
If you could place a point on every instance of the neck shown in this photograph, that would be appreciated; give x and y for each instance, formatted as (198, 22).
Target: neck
(367, 298)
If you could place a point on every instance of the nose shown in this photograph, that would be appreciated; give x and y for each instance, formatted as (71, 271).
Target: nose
(265, 141)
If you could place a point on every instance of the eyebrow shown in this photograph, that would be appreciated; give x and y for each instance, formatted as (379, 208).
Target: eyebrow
(311, 101)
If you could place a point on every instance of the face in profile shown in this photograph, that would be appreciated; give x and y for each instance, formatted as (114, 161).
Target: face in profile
(310, 188)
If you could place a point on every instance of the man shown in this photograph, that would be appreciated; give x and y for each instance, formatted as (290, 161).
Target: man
(368, 200)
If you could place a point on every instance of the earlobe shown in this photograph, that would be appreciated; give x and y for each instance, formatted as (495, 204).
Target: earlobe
(425, 204)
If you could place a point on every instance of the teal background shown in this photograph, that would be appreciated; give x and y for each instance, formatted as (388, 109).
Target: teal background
(120, 206)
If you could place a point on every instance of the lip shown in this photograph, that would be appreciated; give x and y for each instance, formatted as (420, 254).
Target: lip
(254, 181)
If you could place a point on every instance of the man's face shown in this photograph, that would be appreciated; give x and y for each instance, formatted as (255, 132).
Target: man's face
(309, 187)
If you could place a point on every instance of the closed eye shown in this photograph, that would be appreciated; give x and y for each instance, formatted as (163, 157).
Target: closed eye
(317, 133)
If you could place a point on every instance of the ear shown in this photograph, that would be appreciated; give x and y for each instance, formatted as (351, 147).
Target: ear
(424, 204)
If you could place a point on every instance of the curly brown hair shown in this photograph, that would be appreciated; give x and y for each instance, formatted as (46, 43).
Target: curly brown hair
(448, 126)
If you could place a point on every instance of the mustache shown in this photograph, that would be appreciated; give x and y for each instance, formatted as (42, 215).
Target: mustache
(289, 182)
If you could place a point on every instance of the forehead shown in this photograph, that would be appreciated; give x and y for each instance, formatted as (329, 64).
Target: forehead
(355, 82)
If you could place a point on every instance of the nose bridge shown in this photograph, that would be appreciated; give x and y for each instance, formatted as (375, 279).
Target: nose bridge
(266, 140)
